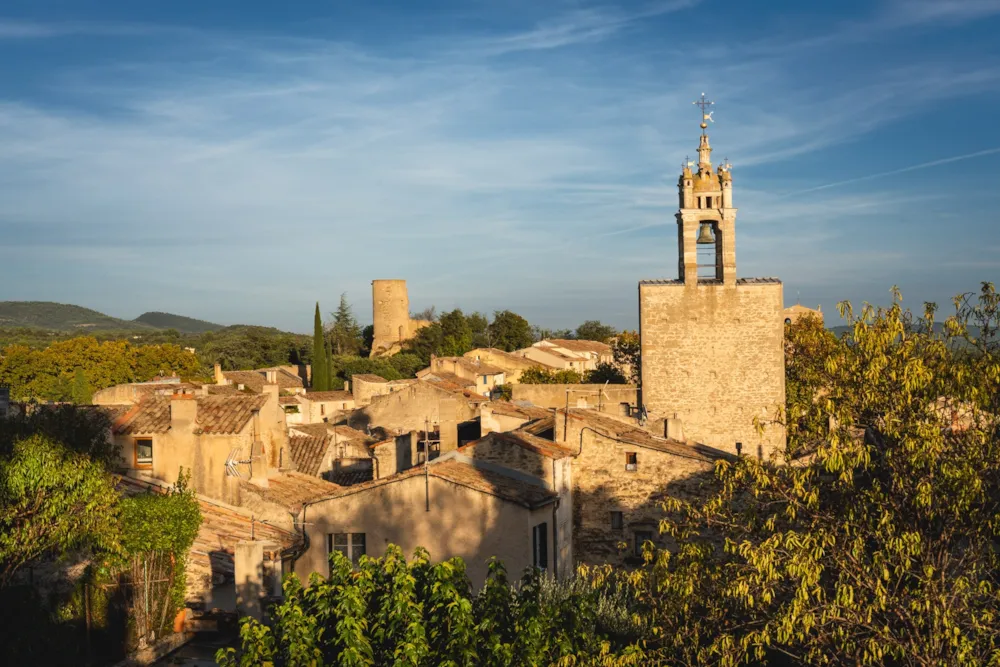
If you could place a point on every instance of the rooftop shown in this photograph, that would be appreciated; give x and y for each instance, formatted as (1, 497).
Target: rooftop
(468, 476)
(631, 433)
(739, 281)
(291, 490)
(369, 377)
(255, 380)
(322, 396)
(575, 345)
(215, 414)
(525, 440)
(514, 410)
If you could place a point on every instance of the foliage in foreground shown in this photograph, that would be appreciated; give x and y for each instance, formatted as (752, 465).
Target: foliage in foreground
(390, 612)
(880, 546)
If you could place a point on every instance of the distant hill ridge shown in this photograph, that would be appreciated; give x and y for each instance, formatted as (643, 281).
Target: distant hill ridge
(178, 322)
(68, 317)
(61, 317)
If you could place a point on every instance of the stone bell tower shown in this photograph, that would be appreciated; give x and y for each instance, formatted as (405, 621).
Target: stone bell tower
(712, 344)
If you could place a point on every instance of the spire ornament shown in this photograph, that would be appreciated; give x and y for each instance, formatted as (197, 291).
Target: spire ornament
(706, 115)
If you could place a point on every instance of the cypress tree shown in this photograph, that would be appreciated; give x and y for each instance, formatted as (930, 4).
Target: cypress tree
(329, 365)
(320, 372)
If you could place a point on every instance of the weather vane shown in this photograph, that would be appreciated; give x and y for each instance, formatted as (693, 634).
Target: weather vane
(705, 114)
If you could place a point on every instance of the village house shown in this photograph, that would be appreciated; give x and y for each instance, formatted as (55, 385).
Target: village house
(424, 404)
(217, 438)
(621, 473)
(793, 314)
(503, 416)
(451, 507)
(471, 374)
(365, 386)
(554, 358)
(511, 364)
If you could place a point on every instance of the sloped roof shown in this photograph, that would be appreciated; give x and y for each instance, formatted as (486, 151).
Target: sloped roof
(322, 396)
(291, 490)
(314, 430)
(626, 432)
(514, 410)
(468, 476)
(581, 345)
(308, 451)
(525, 440)
(255, 380)
(215, 414)
(222, 527)
(369, 377)
(460, 387)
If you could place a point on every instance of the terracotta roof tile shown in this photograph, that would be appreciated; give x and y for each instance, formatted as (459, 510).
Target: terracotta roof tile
(314, 430)
(635, 435)
(515, 410)
(369, 377)
(461, 387)
(291, 490)
(215, 414)
(308, 452)
(525, 440)
(469, 476)
(582, 345)
(255, 380)
(323, 396)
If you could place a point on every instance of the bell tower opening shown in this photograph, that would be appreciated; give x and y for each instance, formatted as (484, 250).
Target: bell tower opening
(707, 244)
(706, 219)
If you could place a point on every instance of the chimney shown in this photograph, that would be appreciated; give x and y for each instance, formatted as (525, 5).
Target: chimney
(219, 377)
(183, 411)
(272, 391)
(448, 429)
(271, 375)
(673, 429)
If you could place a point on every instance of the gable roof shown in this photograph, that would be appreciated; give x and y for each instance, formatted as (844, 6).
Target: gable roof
(510, 409)
(576, 345)
(369, 377)
(215, 414)
(468, 476)
(291, 490)
(322, 396)
(631, 434)
(458, 386)
(524, 440)
(308, 452)
(255, 380)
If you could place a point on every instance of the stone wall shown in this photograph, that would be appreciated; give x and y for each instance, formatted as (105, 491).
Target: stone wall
(602, 485)
(582, 396)
(409, 408)
(459, 522)
(713, 355)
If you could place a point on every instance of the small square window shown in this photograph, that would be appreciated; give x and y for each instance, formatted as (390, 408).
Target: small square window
(631, 461)
(540, 546)
(144, 452)
(351, 545)
(617, 520)
(641, 537)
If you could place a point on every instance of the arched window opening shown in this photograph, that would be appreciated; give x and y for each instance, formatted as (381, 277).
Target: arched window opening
(708, 248)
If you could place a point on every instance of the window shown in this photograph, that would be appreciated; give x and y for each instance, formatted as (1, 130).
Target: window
(631, 461)
(788, 320)
(641, 537)
(540, 546)
(617, 520)
(322, 409)
(351, 545)
(144, 453)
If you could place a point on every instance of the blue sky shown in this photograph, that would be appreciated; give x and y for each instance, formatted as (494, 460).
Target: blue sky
(238, 161)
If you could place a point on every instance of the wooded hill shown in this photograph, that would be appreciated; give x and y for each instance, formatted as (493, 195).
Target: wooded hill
(77, 319)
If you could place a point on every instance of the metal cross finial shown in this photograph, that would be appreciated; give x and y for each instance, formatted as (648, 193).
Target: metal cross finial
(705, 114)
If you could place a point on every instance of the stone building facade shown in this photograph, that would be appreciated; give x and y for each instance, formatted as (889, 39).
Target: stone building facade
(711, 343)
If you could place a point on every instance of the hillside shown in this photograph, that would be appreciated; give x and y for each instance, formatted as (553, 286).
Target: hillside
(177, 322)
(61, 317)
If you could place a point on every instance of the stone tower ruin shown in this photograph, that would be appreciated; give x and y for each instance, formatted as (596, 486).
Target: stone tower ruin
(711, 343)
(391, 317)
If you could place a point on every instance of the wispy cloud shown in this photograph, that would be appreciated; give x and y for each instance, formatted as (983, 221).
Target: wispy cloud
(894, 172)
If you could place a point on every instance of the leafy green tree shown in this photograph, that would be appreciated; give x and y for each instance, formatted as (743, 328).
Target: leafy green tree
(52, 500)
(542, 333)
(81, 388)
(879, 548)
(81, 430)
(626, 351)
(479, 326)
(456, 334)
(157, 531)
(539, 375)
(594, 330)
(320, 372)
(509, 331)
(390, 612)
(427, 341)
(428, 314)
(345, 335)
(605, 373)
(406, 364)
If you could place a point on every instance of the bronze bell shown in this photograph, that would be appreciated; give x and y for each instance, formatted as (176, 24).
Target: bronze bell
(705, 235)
